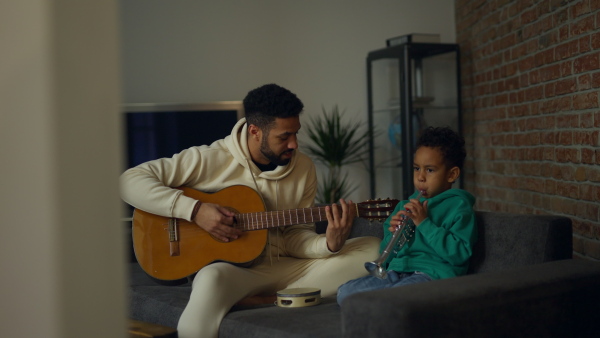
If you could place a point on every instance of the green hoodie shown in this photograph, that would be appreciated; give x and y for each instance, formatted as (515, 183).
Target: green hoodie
(442, 244)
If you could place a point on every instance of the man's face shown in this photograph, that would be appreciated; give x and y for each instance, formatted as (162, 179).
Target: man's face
(279, 142)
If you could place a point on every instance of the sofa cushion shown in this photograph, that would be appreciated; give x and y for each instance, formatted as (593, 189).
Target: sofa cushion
(152, 302)
(555, 299)
(321, 321)
(509, 240)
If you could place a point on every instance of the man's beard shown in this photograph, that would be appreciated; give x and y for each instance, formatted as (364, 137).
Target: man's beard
(270, 155)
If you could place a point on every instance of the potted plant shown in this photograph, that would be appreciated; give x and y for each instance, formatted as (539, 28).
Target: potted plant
(336, 142)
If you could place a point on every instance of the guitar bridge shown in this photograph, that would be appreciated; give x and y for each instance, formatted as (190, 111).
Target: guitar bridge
(173, 237)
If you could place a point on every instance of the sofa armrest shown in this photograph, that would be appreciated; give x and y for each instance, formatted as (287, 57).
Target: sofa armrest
(555, 299)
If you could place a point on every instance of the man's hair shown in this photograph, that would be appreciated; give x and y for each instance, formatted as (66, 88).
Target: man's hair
(450, 144)
(263, 104)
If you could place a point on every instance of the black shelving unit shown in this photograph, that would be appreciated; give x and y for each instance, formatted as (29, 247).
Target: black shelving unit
(410, 86)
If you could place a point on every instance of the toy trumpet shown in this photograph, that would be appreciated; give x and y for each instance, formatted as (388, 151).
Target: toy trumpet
(399, 238)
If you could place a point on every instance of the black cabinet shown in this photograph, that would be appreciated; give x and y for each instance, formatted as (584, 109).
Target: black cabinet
(410, 86)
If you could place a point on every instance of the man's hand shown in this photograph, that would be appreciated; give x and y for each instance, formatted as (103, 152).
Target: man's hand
(217, 221)
(339, 224)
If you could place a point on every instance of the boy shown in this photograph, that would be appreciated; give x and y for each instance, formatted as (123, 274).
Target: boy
(444, 219)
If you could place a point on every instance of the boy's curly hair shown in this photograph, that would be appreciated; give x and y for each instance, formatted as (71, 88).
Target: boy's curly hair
(263, 104)
(450, 143)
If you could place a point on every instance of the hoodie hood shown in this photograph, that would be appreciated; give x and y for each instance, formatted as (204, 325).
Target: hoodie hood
(237, 143)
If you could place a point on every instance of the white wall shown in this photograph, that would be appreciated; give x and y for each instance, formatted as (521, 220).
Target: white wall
(62, 244)
(195, 51)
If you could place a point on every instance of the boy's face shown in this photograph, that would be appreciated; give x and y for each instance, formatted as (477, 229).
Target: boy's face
(430, 172)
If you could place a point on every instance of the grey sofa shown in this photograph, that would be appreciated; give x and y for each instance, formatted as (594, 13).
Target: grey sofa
(522, 282)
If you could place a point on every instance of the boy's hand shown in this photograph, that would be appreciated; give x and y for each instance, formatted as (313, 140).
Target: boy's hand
(396, 222)
(339, 225)
(414, 210)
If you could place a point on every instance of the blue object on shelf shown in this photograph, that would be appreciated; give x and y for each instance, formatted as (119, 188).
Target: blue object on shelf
(394, 133)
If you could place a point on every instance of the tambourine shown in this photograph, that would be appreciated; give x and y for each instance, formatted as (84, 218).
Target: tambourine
(298, 297)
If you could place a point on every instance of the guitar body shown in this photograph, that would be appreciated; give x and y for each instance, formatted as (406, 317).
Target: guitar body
(195, 248)
(171, 249)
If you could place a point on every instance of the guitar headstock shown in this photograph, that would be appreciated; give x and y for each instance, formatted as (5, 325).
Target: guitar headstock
(377, 210)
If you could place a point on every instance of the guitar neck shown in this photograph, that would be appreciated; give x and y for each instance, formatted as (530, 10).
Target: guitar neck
(273, 219)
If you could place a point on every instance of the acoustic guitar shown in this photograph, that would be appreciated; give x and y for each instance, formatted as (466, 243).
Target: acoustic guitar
(170, 249)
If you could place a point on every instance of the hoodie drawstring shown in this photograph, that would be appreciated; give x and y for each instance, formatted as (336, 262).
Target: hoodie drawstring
(276, 206)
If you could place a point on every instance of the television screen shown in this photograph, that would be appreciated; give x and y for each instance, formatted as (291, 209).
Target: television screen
(161, 130)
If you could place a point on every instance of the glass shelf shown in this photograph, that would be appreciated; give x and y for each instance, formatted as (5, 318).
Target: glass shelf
(428, 76)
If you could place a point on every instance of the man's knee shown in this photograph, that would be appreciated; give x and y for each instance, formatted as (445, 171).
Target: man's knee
(212, 275)
(367, 246)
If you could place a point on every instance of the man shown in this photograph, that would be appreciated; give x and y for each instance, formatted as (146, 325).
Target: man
(261, 153)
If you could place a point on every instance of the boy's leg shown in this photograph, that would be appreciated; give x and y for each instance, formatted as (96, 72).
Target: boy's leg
(370, 283)
(329, 273)
(401, 279)
(363, 284)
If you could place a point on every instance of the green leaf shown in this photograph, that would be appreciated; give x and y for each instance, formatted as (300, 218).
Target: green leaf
(336, 142)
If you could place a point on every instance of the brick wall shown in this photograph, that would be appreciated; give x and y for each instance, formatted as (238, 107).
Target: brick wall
(530, 84)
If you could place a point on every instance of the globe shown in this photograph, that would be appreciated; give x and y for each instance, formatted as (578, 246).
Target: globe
(394, 133)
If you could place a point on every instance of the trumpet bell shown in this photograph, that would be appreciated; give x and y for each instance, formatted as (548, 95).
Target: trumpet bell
(376, 270)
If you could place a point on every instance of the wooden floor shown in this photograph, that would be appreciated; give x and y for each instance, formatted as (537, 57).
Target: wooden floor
(139, 329)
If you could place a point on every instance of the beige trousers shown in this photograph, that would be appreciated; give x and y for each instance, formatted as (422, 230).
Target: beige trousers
(217, 287)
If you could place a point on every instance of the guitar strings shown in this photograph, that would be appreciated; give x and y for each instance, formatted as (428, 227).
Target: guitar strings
(277, 218)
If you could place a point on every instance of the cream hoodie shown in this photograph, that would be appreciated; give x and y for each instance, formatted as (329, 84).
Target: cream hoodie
(225, 163)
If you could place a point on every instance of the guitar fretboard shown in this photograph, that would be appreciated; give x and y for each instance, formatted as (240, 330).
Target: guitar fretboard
(272, 219)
